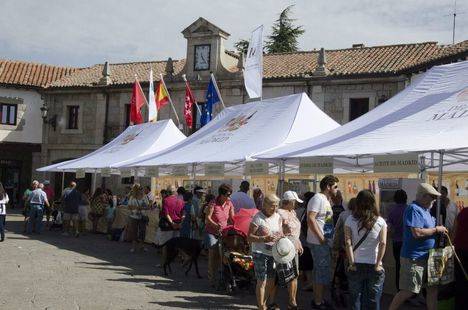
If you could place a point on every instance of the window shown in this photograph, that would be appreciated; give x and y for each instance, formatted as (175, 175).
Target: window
(128, 181)
(358, 107)
(73, 111)
(127, 115)
(8, 114)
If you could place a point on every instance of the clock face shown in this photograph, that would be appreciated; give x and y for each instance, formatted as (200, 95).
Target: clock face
(202, 57)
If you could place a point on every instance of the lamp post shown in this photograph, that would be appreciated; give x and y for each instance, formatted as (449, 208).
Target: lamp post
(51, 121)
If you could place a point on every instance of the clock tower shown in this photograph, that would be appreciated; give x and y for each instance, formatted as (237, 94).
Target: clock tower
(206, 52)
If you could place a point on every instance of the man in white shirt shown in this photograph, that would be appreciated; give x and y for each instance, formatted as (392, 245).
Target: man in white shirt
(319, 236)
(241, 200)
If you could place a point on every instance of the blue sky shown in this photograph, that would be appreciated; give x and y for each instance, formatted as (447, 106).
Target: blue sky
(86, 32)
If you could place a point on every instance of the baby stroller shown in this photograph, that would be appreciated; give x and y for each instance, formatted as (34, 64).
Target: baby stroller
(237, 263)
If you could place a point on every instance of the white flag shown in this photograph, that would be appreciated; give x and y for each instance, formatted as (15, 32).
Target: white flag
(152, 109)
(253, 73)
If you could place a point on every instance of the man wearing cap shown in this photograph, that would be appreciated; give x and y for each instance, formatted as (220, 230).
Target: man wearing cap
(419, 231)
(50, 196)
(241, 200)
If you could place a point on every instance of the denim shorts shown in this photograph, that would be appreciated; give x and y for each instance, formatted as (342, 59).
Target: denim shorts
(322, 263)
(264, 266)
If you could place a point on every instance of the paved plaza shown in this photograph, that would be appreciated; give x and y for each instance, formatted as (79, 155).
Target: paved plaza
(51, 271)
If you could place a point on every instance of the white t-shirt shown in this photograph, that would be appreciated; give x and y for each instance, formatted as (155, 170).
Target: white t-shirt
(266, 226)
(320, 204)
(366, 253)
(241, 200)
(3, 203)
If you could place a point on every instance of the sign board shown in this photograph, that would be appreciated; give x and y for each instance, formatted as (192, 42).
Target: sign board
(180, 170)
(396, 163)
(125, 173)
(256, 168)
(152, 172)
(214, 169)
(105, 172)
(80, 174)
(320, 165)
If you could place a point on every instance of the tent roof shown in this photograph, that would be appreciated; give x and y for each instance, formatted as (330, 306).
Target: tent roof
(135, 141)
(429, 115)
(239, 132)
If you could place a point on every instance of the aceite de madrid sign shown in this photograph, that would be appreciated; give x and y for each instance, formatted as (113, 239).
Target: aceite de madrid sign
(396, 163)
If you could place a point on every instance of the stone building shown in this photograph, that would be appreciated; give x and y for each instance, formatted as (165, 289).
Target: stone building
(21, 122)
(92, 104)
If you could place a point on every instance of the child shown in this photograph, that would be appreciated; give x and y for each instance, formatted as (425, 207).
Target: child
(189, 218)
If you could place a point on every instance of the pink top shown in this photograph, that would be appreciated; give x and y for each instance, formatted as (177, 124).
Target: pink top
(290, 219)
(220, 215)
(173, 207)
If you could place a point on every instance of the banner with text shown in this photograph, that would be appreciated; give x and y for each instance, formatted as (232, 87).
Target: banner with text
(256, 168)
(152, 172)
(396, 163)
(253, 72)
(181, 170)
(105, 172)
(320, 165)
(214, 169)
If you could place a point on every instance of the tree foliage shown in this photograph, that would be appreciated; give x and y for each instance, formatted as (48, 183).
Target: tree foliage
(284, 34)
(242, 46)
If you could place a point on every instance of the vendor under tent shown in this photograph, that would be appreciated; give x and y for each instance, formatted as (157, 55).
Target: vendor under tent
(136, 141)
(239, 132)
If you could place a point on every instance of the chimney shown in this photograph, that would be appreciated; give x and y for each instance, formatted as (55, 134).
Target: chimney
(169, 67)
(358, 45)
(321, 68)
(106, 72)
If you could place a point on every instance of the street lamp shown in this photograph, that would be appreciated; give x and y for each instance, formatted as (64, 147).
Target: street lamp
(51, 121)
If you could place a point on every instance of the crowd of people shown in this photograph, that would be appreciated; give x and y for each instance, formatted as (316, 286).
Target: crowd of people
(333, 246)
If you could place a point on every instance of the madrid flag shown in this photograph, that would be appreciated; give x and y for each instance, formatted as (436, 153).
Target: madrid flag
(136, 103)
(189, 102)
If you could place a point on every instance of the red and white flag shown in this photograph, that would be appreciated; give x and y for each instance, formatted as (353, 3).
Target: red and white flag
(189, 102)
(136, 103)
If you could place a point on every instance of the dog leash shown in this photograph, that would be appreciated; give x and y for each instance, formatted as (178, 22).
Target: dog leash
(456, 256)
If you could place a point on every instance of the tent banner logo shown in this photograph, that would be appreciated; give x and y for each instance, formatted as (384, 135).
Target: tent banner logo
(460, 110)
(226, 132)
(256, 168)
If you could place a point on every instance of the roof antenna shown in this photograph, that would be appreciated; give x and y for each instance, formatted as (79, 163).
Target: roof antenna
(454, 19)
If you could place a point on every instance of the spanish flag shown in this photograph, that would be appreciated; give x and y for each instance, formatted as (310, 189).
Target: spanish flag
(162, 97)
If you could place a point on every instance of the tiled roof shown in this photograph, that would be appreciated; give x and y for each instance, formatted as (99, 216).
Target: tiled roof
(120, 74)
(375, 60)
(21, 73)
(390, 59)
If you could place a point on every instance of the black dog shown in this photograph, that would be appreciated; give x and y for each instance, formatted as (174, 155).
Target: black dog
(191, 248)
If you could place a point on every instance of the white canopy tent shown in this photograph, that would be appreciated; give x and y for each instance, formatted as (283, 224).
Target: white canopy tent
(134, 142)
(429, 118)
(239, 132)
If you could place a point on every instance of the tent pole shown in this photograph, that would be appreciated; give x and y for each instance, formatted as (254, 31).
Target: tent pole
(439, 185)
(93, 185)
(194, 174)
(63, 181)
(315, 182)
(281, 169)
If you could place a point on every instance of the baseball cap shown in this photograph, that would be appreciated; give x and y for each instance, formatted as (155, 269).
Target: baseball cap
(291, 195)
(425, 188)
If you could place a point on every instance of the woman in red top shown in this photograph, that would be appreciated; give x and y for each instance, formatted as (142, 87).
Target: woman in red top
(217, 216)
(461, 247)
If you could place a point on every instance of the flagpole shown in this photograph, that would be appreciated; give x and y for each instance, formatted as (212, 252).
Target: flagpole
(198, 108)
(217, 90)
(170, 100)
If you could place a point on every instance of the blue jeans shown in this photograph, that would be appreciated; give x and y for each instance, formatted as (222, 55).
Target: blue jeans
(36, 212)
(2, 226)
(321, 255)
(365, 287)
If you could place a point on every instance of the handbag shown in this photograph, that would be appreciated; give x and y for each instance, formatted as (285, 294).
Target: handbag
(164, 224)
(440, 266)
(286, 273)
(356, 246)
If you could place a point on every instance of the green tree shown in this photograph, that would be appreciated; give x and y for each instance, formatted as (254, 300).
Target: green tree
(242, 46)
(284, 34)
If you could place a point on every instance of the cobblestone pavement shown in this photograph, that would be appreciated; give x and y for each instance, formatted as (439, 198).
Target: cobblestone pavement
(51, 271)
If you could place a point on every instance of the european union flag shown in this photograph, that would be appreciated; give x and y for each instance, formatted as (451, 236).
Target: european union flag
(212, 98)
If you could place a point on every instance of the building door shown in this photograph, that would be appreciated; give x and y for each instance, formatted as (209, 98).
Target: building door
(358, 107)
(10, 178)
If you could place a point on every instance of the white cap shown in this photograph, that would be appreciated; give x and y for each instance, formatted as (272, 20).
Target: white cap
(291, 195)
